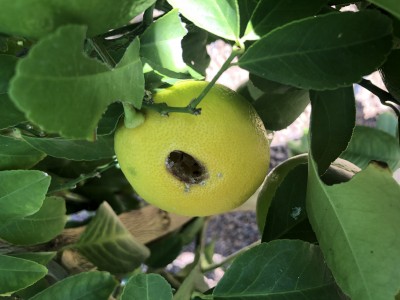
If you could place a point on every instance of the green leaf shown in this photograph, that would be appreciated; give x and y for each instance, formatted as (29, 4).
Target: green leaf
(356, 224)
(279, 110)
(7, 66)
(281, 269)
(390, 73)
(314, 53)
(147, 287)
(369, 144)
(88, 286)
(110, 119)
(270, 14)
(38, 228)
(17, 273)
(246, 9)
(37, 18)
(194, 49)
(9, 114)
(333, 118)
(218, 17)
(22, 193)
(387, 122)
(42, 258)
(391, 6)
(287, 216)
(64, 91)
(17, 154)
(109, 245)
(161, 43)
(71, 149)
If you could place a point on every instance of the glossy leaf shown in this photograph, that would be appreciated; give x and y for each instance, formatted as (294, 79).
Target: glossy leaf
(64, 91)
(333, 118)
(279, 110)
(369, 144)
(109, 245)
(390, 73)
(88, 286)
(391, 6)
(71, 149)
(17, 273)
(287, 216)
(147, 287)
(17, 19)
(296, 54)
(161, 43)
(22, 193)
(356, 224)
(282, 269)
(218, 17)
(38, 228)
(270, 14)
(17, 154)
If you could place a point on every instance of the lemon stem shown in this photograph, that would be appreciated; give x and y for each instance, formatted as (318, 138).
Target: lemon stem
(227, 64)
(98, 46)
(381, 94)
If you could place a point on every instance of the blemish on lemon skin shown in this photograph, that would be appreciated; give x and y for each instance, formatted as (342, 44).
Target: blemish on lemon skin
(220, 175)
(187, 188)
(131, 171)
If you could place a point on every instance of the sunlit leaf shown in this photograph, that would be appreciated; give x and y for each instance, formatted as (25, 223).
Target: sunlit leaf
(356, 224)
(88, 286)
(218, 17)
(333, 118)
(314, 53)
(64, 91)
(17, 154)
(17, 273)
(38, 228)
(281, 269)
(147, 287)
(109, 245)
(22, 193)
(71, 149)
(369, 144)
(270, 14)
(16, 17)
(161, 43)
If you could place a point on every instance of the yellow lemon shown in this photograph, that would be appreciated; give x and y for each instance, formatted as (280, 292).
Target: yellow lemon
(196, 165)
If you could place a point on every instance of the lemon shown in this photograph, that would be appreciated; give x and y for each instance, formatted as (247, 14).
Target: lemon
(196, 165)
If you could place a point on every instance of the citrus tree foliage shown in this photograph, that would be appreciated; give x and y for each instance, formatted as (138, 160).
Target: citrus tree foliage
(70, 69)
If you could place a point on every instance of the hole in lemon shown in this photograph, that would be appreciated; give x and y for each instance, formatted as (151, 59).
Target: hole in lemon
(185, 167)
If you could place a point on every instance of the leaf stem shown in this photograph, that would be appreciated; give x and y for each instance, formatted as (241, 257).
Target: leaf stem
(229, 258)
(72, 183)
(381, 94)
(227, 64)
